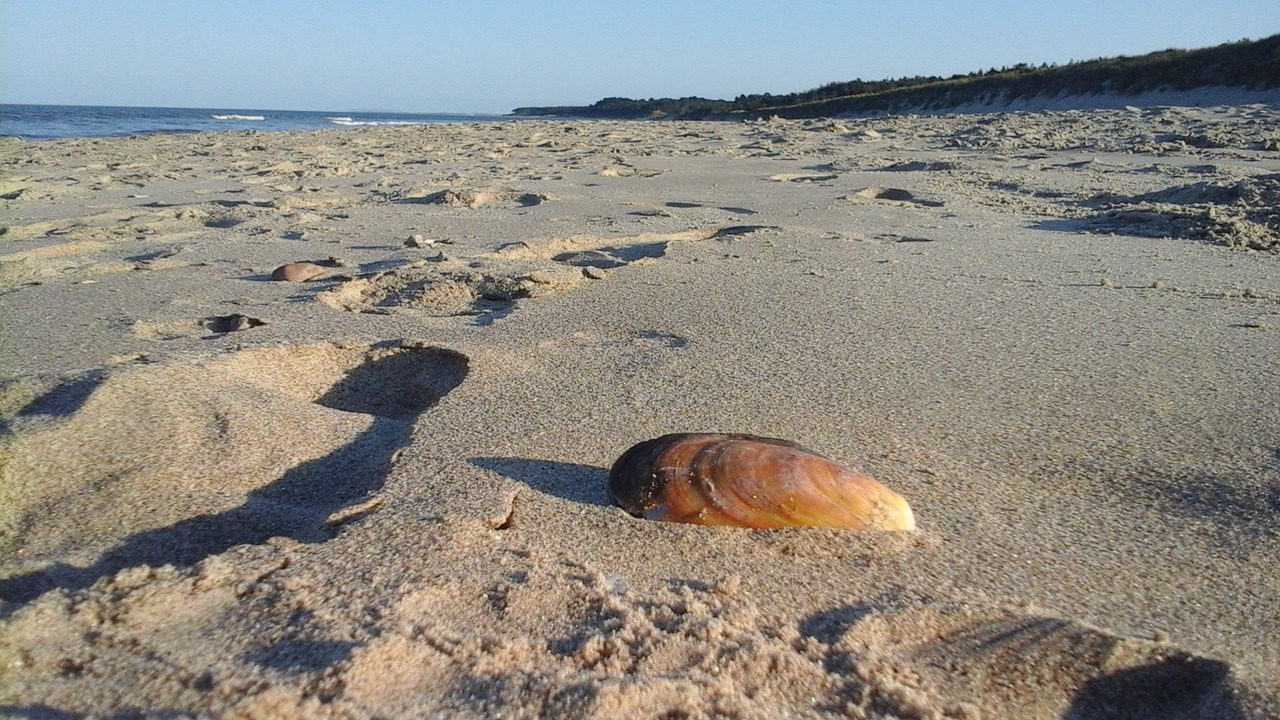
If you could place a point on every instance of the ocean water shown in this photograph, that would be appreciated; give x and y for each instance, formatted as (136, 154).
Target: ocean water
(43, 122)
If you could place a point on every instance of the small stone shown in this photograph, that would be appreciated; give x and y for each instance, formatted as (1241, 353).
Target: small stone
(595, 273)
(1271, 144)
(298, 272)
(417, 241)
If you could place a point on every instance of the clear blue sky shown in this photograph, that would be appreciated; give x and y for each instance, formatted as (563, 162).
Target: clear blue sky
(494, 55)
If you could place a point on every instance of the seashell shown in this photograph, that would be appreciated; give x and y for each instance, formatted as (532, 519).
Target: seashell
(298, 272)
(749, 481)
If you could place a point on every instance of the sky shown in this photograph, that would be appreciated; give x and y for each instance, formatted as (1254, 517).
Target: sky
(490, 56)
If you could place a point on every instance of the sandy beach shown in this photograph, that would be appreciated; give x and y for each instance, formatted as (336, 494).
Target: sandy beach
(381, 491)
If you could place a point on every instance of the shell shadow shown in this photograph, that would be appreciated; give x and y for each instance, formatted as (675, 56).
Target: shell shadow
(584, 484)
(493, 311)
(297, 656)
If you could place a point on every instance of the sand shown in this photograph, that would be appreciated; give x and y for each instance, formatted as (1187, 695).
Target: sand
(380, 491)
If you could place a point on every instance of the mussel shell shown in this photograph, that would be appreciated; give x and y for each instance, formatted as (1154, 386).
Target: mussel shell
(750, 481)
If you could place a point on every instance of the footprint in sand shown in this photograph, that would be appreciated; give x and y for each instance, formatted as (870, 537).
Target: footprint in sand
(489, 288)
(210, 459)
(922, 166)
(624, 170)
(890, 196)
(991, 659)
(209, 327)
(486, 292)
(472, 198)
(235, 322)
(1240, 214)
(679, 650)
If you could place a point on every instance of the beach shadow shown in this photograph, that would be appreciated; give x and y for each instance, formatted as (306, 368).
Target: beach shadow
(66, 398)
(487, 312)
(737, 230)
(63, 400)
(637, 251)
(1063, 225)
(399, 386)
(828, 626)
(297, 505)
(154, 255)
(1180, 688)
(584, 484)
(298, 656)
(260, 277)
(1237, 508)
(48, 712)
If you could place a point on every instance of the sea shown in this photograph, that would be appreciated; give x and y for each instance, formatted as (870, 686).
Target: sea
(46, 122)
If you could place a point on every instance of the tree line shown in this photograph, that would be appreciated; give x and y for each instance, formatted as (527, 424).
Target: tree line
(1251, 64)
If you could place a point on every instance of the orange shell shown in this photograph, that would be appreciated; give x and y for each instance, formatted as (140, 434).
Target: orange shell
(749, 481)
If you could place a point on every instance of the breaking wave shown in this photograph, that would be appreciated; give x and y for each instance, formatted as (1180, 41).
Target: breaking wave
(352, 122)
